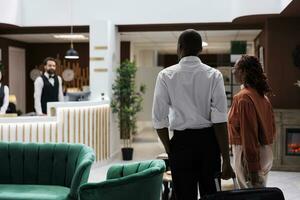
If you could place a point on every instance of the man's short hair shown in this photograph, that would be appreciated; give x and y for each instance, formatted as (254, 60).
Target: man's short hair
(190, 42)
(49, 59)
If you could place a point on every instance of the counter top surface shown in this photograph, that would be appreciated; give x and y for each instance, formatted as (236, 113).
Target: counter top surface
(77, 103)
(51, 119)
(27, 119)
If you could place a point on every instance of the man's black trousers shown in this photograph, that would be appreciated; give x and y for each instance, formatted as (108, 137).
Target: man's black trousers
(194, 160)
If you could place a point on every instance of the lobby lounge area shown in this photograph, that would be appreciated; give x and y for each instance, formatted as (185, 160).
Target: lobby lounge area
(78, 81)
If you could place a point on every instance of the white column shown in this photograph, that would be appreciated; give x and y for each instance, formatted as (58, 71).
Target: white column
(105, 34)
(103, 57)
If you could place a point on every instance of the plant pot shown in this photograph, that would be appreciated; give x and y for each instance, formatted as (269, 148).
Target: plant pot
(127, 153)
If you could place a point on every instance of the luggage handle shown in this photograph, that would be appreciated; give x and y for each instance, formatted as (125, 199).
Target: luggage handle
(218, 186)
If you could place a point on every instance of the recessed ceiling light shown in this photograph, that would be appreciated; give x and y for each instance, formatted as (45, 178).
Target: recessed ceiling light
(71, 36)
(204, 44)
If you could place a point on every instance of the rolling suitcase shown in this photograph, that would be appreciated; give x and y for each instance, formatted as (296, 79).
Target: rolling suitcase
(267, 193)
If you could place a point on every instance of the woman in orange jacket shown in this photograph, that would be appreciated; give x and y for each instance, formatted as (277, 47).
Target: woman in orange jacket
(251, 124)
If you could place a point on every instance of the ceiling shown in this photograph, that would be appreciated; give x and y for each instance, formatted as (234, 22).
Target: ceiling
(165, 42)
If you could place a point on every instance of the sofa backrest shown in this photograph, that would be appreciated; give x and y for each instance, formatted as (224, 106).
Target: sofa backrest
(122, 170)
(43, 164)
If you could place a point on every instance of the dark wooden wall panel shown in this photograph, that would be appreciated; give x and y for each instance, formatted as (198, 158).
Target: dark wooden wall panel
(213, 60)
(36, 53)
(259, 41)
(125, 51)
(282, 36)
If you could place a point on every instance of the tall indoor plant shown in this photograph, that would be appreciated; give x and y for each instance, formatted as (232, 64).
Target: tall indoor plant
(127, 102)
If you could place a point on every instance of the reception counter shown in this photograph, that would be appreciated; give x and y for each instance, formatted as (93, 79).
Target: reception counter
(86, 122)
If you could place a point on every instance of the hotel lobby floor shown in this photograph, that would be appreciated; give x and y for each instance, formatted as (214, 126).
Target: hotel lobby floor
(147, 146)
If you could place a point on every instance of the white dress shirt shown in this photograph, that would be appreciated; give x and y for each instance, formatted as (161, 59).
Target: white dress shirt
(192, 92)
(5, 100)
(38, 88)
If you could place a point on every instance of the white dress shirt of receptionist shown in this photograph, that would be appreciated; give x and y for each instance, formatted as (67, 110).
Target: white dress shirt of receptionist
(38, 88)
(5, 100)
(189, 95)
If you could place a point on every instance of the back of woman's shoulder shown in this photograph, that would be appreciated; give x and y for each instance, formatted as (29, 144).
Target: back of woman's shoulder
(243, 93)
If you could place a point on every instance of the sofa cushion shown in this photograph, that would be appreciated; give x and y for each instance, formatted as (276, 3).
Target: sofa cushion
(33, 192)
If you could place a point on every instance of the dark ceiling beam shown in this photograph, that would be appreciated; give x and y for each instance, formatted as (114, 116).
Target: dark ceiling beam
(292, 10)
(44, 29)
(181, 27)
(260, 19)
(7, 26)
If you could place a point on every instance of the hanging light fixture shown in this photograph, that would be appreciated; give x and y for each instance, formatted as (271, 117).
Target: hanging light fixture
(71, 53)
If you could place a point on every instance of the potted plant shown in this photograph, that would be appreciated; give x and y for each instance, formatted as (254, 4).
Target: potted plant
(127, 102)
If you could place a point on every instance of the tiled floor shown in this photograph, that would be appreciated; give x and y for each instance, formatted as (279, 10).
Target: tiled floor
(147, 146)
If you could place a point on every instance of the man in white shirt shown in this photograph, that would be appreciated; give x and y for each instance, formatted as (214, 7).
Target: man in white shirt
(195, 95)
(4, 96)
(47, 87)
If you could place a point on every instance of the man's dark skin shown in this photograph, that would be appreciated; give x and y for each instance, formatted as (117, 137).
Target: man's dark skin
(220, 130)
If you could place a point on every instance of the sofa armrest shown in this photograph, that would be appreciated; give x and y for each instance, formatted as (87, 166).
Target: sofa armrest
(81, 174)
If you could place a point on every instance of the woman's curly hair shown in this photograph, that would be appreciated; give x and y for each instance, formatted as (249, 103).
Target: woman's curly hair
(253, 74)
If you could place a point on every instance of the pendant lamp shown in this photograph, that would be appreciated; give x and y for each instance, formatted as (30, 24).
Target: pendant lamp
(71, 54)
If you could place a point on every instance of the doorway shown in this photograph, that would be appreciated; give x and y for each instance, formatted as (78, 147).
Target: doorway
(17, 73)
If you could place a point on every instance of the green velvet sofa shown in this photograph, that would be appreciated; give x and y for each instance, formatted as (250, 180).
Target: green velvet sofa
(135, 181)
(43, 171)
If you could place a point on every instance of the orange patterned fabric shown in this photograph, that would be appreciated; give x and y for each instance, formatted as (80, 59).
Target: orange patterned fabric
(251, 124)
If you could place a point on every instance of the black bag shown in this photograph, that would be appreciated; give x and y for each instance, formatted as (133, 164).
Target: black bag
(267, 193)
(247, 194)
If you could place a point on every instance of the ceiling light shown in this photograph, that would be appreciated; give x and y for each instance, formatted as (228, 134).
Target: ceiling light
(204, 44)
(71, 53)
(70, 36)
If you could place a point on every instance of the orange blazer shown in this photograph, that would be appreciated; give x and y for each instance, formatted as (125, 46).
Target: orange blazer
(251, 124)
